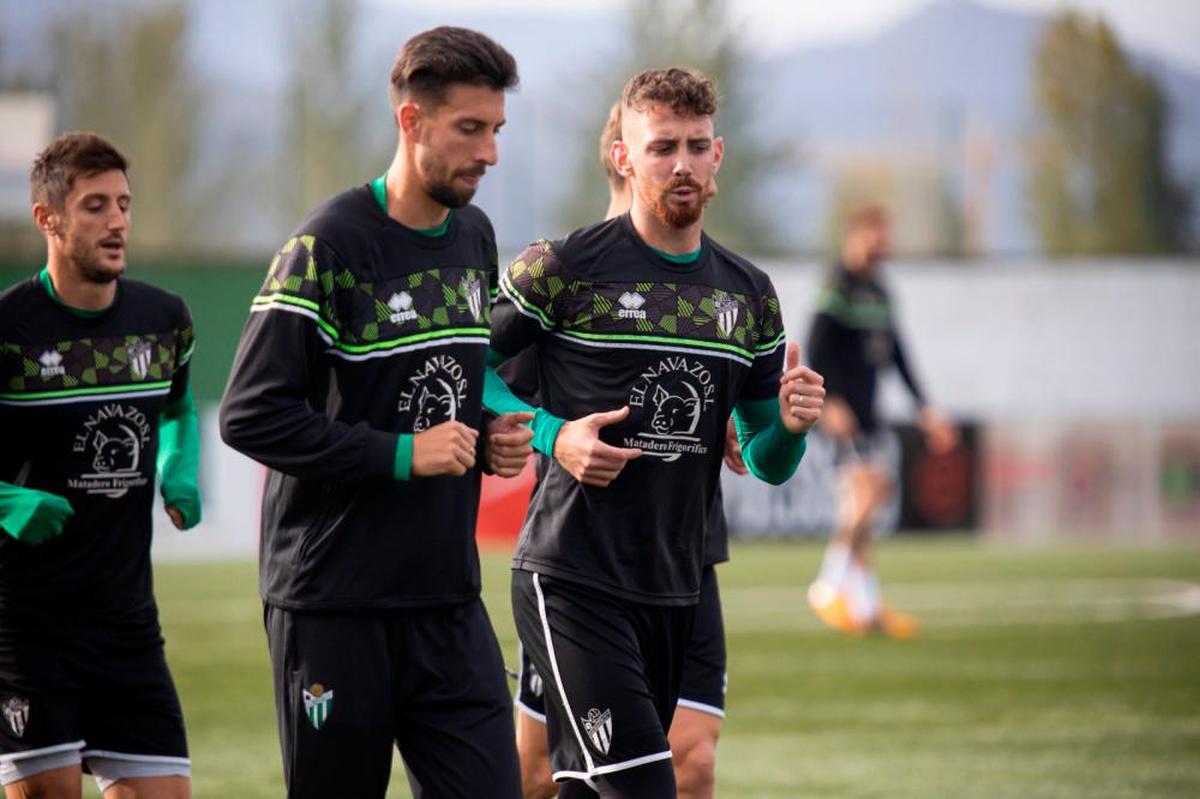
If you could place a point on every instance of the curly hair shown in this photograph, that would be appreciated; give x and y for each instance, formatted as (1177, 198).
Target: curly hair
(685, 91)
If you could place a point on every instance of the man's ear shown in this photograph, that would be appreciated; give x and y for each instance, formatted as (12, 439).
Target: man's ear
(619, 153)
(408, 118)
(46, 219)
(718, 153)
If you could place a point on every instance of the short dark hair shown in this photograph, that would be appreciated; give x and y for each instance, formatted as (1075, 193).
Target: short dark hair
(867, 214)
(610, 134)
(430, 62)
(685, 91)
(67, 158)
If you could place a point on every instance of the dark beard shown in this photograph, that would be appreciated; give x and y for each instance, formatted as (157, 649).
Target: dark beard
(447, 195)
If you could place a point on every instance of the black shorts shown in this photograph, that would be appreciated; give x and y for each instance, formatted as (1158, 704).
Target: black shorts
(97, 687)
(704, 663)
(611, 670)
(430, 680)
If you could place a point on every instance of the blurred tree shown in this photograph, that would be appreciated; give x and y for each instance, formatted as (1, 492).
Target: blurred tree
(1100, 180)
(126, 77)
(330, 111)
(697, 34)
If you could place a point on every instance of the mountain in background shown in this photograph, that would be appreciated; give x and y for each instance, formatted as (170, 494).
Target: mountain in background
(933, 111)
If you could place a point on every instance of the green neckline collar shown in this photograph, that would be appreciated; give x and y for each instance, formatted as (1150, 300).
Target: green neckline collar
(685, 258)
(379, 190)
(48, 285)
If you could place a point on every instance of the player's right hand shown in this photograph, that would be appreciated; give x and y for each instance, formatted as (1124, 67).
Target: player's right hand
(33, 516)
(579, 450)
(447, 448)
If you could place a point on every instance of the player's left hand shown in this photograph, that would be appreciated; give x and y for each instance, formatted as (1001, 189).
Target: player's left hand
(733, 450)
(801, 393)
(176, 517)
(941, 435)
(507, 444)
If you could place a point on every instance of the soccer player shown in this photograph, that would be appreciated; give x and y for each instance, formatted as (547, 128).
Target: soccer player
(358, 382)
(648, 335)
(701, 705)
(94, 397)
(853, 336)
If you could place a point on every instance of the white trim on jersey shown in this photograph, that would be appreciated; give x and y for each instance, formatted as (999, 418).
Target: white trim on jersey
(420, 345)
(654, 347)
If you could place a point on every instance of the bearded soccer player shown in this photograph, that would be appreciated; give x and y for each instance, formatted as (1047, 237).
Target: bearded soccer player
(358, 382)
(94, 396)
(648, 335)
(701, 704)
(853, 337)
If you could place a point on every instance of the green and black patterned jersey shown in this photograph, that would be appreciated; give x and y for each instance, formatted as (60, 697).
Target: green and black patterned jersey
(853, 337)
(615, 323)
(364, 333)
(80, 400)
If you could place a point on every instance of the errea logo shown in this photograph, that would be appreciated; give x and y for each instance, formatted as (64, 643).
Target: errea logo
(631, 304)
(51, 361)
(401, 304)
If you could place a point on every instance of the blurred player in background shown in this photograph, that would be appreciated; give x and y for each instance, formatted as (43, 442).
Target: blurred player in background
(853, 337)
(94, 398)
(701, 706)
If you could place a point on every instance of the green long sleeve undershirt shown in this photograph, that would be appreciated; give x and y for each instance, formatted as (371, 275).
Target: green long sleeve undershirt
(178, 459)
(30, 515)
(770, 450)
(498, 398)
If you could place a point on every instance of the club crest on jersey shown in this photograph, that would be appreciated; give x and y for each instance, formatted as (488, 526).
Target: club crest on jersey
(673, 396)
(435, 393)
(726, 309)
(473, 291)
(140, 353)
(631, 305)
(401, 304)
(51, 361)
(16, 713)
(598, 726)
(318, 704)
(111, 444)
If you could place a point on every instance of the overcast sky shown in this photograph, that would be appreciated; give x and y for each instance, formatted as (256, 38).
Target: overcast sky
(1166, 27)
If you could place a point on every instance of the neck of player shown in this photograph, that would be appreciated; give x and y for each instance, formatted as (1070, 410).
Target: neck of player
(76, 291)
(661, 236)
(407, 201)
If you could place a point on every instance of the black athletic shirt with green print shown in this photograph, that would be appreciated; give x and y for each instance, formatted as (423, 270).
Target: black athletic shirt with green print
(853, 337)
(616, 323)
(364, 330)
(80, 398)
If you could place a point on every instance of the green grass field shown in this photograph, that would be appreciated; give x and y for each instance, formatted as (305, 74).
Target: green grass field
(1071, 672)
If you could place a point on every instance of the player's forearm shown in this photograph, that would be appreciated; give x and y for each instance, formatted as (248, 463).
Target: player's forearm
(771, 452)
(178, 459)
(498, 398)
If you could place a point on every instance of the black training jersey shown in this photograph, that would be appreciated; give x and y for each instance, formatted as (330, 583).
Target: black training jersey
(521, 375)
(853, 336)
(79, 404)
(363, 330)
(617, 324)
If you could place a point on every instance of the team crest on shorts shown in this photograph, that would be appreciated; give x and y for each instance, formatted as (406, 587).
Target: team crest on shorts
(318, 703)
(599, 729)
(16, 713)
